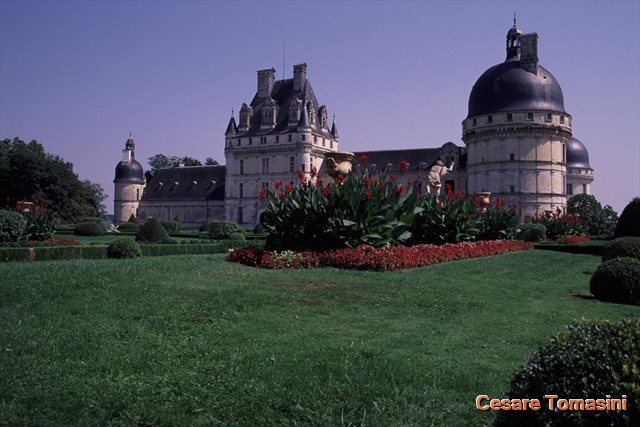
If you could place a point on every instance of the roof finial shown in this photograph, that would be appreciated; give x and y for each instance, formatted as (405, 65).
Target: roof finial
(129, 134)
(514, 20)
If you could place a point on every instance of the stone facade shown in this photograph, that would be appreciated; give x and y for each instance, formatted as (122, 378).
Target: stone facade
(129, 185)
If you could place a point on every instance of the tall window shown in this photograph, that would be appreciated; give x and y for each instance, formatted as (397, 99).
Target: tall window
(250, 141)
(569, 189)
(241, 190)
(137, 194)
(489, 119)
(290, 137)
(239, 142)
(265, 165)
(548, 117)
(277, 138)
(241, 167)
(529, 116)
(512, 156)
(509, 117)
(240, 215)
(512, 188)
(292, 165)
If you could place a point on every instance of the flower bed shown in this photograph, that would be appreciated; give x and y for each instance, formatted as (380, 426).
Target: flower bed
(367, 257)
(572, 240)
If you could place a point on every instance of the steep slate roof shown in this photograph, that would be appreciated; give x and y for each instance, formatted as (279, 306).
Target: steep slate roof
(283, 94)
(413, 156)
(194, 183)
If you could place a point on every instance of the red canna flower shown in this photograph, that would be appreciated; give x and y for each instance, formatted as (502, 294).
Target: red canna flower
(288, 188)
(314, 171)
(325, 191)
(403, 166)
(281, 195)
(392, 178)
(399, 189)
(339, 178)
(367, 181)
(363, 158)
(368, 195)
(409, 184)
(277, 185)
(301, 175)
(262, 193)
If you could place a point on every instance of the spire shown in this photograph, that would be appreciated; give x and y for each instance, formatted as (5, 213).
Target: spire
(514, 20)
(513, 42)
(334, 128)
(130, 145)
(231, 127)
(304, 119)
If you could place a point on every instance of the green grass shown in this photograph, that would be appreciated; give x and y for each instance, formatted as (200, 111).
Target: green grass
(195, 340)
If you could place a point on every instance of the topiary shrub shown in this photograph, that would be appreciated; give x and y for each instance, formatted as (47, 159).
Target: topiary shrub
(204, 227)
(132, 219)
(586, 360)
(123, 248)
(622, 247)
(258, 229)
(617, 280)
(129, 226)
(88, 229)
(152, 231)
(629, 222)
(13, 226)
(532, 232)
(222, 229)
(171, 226)
(100, 221)
(238, 237)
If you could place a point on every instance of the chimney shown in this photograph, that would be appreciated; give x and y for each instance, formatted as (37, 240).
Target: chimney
(265, 82)
(126, 155)
(529, 52)
(299, 76)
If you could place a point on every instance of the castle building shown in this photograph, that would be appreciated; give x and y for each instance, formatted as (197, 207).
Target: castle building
(282, 131)
(129, 184)
(579, 172)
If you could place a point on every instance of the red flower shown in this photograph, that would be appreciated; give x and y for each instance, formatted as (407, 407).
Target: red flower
(381, 186)
(440, 204)
(409, 184)
(363, 158)
(399, 189)
(288, 188)
(281, 195)
(368, 195)
(262, 193)
(339, 178)
(277, 185)
(301, 175)
(393, 178)
(314, 171)
(403, 166)
(367, 181)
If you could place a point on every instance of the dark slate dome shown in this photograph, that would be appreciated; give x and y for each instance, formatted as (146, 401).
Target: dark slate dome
(577, 154)
(131, 172)
(508, 86)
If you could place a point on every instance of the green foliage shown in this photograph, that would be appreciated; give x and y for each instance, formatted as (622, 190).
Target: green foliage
(13, 226)
(222, 229)
(152, 231)
(629, 222)
(622, 247)
(88, 229)
(129, 227)
(533, 232)
(123, 248)
(132, 219)
(51, 253)
(210, 161)
(597, 220)
(177, 219)
(204, 227)
(586, 360)
(558, 224)
(162, 161)
(27, 172)
(100, 221)
(171, 226)
(497, 222)
(451, 221)
(617, 280)
(258, 229)
(237, 237)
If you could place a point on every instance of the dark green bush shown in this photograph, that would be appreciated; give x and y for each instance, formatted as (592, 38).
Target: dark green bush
(222, 229)
(587, 360)
(129, 226)
(171, 226)
(88, 229)
(13, 226)
(204, 227)
(598, 220)
(533, 232)
(258, 229)
(123, 248)
(622, 247)
(238, 237)
(100, 221)
(617, 280)
(152, 232)
(132, 219)
(629, 222)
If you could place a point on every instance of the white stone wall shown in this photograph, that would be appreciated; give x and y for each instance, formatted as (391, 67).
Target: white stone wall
(125, 202)
(191, 213)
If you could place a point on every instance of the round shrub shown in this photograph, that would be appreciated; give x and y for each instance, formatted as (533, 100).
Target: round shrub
(629, 222)
(222, 229)
(100, 221)
(132, 219)
(617, 280)
(152, 232)
(239, 237)
(258, 229)
(13, 226)
(622, 247)
(204, 227)
(171, 226)
(88, 229)
(123, 248)
(129, 227)
(532, 232)
(586, 360)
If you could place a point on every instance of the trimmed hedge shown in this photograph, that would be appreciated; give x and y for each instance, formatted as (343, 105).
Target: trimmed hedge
(129, 226)
(622, 247)
(171, 226)
(88, 229)
(222, 229)
(617, 280)
(533, 232)
(237, 237)
(629, 222)
(587, 360)
(152, 232)
(123, 248)
(571, 248)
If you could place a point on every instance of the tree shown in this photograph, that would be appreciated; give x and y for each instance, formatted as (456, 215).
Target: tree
(28, 172)
(597, 220)
(190, 161)
(162, 161)
(210, 161)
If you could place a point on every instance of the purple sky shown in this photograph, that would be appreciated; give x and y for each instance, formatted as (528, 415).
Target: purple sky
(78, 76)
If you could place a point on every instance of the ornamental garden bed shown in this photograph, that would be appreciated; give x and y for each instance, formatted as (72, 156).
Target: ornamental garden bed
(366, 257)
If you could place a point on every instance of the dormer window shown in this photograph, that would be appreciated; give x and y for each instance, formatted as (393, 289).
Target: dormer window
(323, 117)
(562, 119)
(295, 108)
(509, 117)
(245, 117)
(548, 117)
(489, 119)
(530, 116)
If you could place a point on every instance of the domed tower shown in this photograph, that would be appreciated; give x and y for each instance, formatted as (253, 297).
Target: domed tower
(129, 184)
(517, 129)
(579, 172)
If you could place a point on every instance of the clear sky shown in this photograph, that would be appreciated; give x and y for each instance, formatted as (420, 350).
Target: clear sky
(79, 75)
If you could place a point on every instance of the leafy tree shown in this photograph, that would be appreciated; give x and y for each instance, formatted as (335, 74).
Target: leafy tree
(190, 161)
(598, 220)
(210, 161)
(162, 161)
(28, 172)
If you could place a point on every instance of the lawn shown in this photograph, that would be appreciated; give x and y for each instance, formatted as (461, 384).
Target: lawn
(105, 239)
(196, 340)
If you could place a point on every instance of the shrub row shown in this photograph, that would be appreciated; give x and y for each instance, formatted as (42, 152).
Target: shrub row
(100, 251)
(366, 257)
(571, 248)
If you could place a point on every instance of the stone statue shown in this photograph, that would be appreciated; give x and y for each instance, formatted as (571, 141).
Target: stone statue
(338, 163)
(435, 174)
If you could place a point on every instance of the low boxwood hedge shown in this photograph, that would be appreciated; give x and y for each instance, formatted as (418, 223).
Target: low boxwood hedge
(88, 229)
(628, 247)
